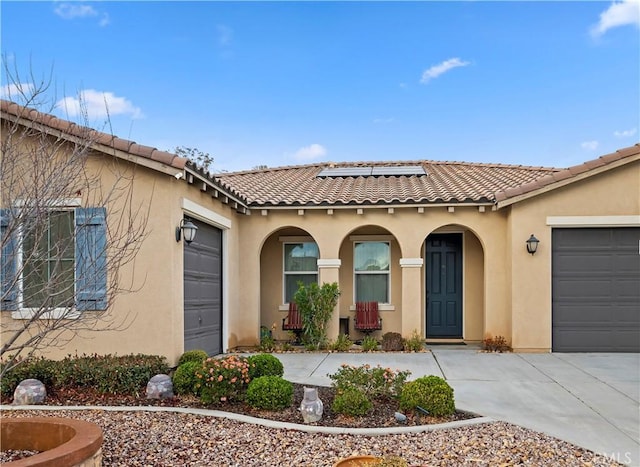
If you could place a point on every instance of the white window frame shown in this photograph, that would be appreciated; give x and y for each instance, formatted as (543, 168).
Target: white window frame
(294, 241)
(372, 239)
(23, 312)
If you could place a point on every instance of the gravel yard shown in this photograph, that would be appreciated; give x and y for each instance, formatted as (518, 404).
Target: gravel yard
(171, 439)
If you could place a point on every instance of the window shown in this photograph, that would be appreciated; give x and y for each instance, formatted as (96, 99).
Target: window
(300, 265)
(371, 270)
(59, 262)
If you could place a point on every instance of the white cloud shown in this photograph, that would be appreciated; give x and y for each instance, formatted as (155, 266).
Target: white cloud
(15, 91)
(309, 153)
(68, 10)
(618, 14)
(625, 133)
(98, 105)
(440, 68)
(590, 145)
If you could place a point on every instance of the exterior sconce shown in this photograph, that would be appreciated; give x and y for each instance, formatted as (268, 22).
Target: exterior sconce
(187, 228)
(532, 244)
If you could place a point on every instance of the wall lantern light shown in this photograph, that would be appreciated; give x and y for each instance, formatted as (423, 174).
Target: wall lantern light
(187, 228)
(532, 244)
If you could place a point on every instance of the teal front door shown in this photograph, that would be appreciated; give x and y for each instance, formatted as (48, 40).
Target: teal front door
(444, 286)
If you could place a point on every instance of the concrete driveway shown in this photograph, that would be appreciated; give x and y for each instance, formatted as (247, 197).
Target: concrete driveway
(591, 400)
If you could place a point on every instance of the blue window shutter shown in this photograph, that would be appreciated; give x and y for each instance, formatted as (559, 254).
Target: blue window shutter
(91, 259)
(8, 268)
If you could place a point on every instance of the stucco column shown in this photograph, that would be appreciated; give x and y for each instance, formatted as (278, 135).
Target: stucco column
(328, 271)
(411, 295)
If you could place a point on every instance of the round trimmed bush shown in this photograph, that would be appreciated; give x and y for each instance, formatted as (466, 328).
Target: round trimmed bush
(270, 393)
(193, 356)
(429, 392)
(352, 402)
(184, 379)
(265, 365)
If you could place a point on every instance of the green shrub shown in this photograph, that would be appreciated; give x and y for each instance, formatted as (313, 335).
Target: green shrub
(196, 355)
(352, 402)
(267, 344)
(429, 392)
(392, 342)
(373, 382)
(316, 304)
(42, 369)
(110, 374)
(222, 379)
(342, 343)
(369, 344)
(414, 343)
(184, 378)
(264, 365)
(270, 393)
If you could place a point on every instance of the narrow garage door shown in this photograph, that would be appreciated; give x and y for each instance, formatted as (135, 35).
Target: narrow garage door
(203, 290)
(596, 290)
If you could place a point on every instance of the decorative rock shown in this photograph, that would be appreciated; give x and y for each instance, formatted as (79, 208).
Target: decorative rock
(29, 392)
(160, 387)
(400, 417)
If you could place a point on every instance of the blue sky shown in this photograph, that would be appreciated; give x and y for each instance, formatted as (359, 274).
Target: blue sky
(287, 83)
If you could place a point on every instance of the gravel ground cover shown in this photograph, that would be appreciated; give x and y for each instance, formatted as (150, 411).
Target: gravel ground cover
(145, 438)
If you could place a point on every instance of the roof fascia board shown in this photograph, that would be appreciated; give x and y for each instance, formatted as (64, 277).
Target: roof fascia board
(107, 150)
(568, 181)
(209, 183)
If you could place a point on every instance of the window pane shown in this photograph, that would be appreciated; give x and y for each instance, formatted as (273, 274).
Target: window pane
(48, 274)
(291, 284)
(300, 256)
(372, 288)
(372, 256)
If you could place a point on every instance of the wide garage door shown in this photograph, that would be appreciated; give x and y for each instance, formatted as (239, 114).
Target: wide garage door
(596, 290)
(203, 290)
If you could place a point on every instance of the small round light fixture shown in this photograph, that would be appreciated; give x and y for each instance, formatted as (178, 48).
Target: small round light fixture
(532, 244)
(188, 229)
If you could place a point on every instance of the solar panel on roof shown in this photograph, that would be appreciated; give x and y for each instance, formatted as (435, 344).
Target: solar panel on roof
(398, 170)
(345, 172)
(378, 171)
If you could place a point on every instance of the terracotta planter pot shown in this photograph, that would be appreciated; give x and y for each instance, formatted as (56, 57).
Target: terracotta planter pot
(357, 461)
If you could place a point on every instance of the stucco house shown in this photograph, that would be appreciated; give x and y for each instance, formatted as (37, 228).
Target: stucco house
(441, 246)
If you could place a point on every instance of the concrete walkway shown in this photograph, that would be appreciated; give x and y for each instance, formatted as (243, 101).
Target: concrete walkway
(591, 400)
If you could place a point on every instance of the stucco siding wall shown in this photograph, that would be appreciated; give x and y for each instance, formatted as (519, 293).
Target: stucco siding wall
(612, 193)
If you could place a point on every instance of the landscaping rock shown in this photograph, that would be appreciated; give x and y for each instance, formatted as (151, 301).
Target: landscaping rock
(29, 392)
(160, 387)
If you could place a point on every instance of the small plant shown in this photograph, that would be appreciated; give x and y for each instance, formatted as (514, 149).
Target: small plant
(414, 343)
(196, 355)
(264, 365)
(222, 379)
(286, 347)
(392, 461)
(369, 344)
(352, 402)
(184, 378)
(267, 344)
(316, 304)
(429, 392)
(270, 393)
(373, 382)
(496, 344)
(392, 342)
(342, 343)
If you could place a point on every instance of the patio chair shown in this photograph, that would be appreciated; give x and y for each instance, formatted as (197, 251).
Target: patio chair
(367, 317)
(293, 321)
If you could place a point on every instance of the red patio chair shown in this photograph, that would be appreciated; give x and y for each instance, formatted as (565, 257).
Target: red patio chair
(367, 317)
(293, 321)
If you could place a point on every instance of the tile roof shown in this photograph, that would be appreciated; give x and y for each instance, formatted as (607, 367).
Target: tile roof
(445, 182)
(99, 138)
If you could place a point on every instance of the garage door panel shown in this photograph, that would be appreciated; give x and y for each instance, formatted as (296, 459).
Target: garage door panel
(596, 290)
(203, 290)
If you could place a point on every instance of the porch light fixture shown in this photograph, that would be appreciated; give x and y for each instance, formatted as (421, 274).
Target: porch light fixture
(532, 244)
(187, 228)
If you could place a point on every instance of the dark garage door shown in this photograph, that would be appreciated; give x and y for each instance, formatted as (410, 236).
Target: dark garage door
(596, 290)
(203, 290)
